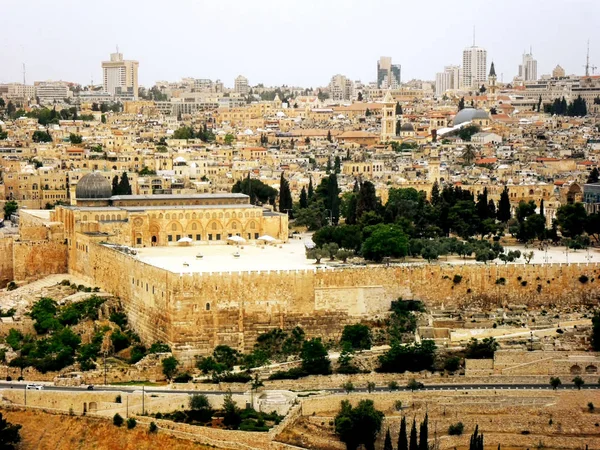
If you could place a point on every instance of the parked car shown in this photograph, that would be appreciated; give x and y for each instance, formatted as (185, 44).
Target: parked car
(90, 387)
(35, 387)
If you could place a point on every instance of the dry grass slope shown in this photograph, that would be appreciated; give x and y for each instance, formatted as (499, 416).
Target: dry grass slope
(42, 431)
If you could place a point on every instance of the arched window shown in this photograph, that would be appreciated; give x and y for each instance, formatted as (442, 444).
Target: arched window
(168, 216)
(208, 306)
(174, 227)
(194, 226)
(214, 225)
(234, 225)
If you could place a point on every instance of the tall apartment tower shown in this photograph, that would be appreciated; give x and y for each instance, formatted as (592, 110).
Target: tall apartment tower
(120, 76)
(528, 69)
(448, 80)
(388, 75)
(241, 85)
(341, 88)
(474, 67)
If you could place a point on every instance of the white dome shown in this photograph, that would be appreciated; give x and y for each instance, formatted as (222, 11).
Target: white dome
(248, 132)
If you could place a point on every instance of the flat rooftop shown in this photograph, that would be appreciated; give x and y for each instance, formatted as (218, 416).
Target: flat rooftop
(220, 257)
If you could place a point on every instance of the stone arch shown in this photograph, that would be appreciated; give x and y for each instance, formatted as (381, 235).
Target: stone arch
(180, 216)
(591, 369)
(154, 234)
(85, 217)
(575, 370)
(93, 407)
(174, 226)
(251, 225)
(235, 226)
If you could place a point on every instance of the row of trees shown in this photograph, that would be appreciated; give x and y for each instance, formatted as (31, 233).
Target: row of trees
(560, 107)
(205, 135)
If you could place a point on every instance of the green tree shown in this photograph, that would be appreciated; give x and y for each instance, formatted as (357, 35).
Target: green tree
(228, 139)
(383, 241)
(183, 133)
(117, 420)
(10, 207)
(481, 350)
(124, 186)
(199, 401)
(469, 154)
(594, 176)
(10, 109)
(169, 367)
(424, 434)
(3, 135)
(285, 196)
(315, 360)
(503, 213)
(476, 442)
(413, 443)
(578, 382)
(232, 417)
(41, 136)
(402, 435)
(303, 203)
(357, 336)
(461, 104)
(596, 331)
(9, 434)
(337, 165)
(387, 444)
(358, 426)
(75, 138)
(367, 199)
(571, 219)
(555, 382)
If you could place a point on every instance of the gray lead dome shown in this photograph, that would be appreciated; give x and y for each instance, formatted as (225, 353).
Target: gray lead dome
(93, 185)
(469, 114)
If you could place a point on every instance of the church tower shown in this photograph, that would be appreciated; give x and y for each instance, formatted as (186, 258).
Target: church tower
(492, 87)
(388, 118)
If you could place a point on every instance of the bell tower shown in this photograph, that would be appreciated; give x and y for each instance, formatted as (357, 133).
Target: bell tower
(492, 88)
(388, 118)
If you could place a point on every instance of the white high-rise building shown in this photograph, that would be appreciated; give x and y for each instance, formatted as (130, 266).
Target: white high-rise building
(474, 67)
(120, 76)
(448, 80)
(528, 69)
(241, 85)
(341, 88)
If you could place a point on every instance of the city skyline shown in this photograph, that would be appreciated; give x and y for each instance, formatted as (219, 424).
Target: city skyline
(302, 35)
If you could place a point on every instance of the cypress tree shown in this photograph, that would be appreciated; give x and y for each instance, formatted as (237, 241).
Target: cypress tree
(333, 198)
(504, 206)
(402, 436)
(476, 442)
(311, 191)
(124, 187)
(303, 199)
(398, 110)
(423, 434)
(285, 196)
(435, 194)
(482, 204)
(115, 185)
(367, 199)
(413, 444)
(387, 445)
(542, 208)
(337, 165)
(491, 209)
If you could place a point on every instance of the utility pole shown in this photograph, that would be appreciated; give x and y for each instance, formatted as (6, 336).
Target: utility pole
(25, 394)
(104, 368)
(143, 408)
(127, 406)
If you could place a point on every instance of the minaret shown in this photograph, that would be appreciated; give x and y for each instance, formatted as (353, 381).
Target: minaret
(492, 88)
(388, 118)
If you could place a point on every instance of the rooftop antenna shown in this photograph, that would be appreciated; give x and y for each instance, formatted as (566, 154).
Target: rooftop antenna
(473, 35)
(117, 48)
(587, 60)
(24, 74)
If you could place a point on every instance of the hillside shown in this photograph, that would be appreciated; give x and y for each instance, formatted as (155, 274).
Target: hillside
(42, 431)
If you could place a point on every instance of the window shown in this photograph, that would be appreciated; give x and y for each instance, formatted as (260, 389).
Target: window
(170, 238)
(210, 237)
(174, 227)
(178, 237)
(255, 235)
(139, 241)
(198, 237)
(208, 306)
(194, 227)
(214, 225)
(218, 237)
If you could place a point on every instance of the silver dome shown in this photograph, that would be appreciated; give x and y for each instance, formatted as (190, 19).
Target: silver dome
(470, 114)
(93, 185)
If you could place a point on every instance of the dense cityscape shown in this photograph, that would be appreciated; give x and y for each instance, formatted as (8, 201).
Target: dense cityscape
(382, 264)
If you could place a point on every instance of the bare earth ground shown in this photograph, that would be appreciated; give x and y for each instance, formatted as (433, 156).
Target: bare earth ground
(516, 421)
(43, 431)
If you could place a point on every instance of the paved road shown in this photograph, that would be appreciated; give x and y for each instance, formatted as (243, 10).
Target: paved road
(433, 387)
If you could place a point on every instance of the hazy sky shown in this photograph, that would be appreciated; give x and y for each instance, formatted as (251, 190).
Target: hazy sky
(294, 42)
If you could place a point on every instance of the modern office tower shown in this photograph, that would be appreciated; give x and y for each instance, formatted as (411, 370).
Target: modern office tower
(474, 67)
(120, 76)
(528, 69)
(388, 75)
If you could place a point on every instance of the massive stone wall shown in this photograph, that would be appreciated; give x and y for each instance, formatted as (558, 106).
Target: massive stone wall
(36, 259)
(6, 261)
(196, 312)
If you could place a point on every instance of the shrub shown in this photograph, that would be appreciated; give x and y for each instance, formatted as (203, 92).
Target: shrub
(152, 428)
(370, 386)
(457, 279)
(11, 286)
(398, 405)
(118, 399)
(456, 429)
(357, 336)
(292, 374)
(501, 281)
(524, 283)
(393, 385)
(348, 387)
(590, 407)
(183, 378)
(131, 423)
(452, 364)
(583, 279)
(240, 377)
(117, 420)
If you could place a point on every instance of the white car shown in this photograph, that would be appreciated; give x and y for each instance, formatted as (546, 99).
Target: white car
(36, 387)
